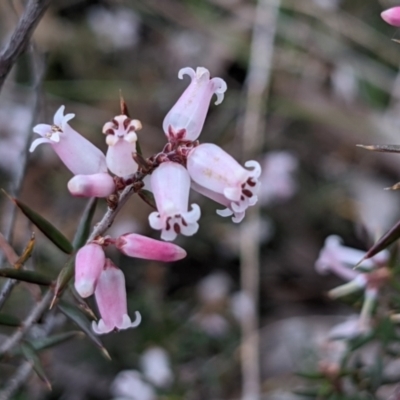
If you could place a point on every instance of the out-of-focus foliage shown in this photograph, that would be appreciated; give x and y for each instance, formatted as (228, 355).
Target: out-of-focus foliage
(335, 83)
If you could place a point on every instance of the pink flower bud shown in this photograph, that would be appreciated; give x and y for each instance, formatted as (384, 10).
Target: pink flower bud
(189, 112)
(121, 139)
(139, 246)
(392, 16)
(89, 264)
(171, 185)
(97, 185)
(110, 296)
(79, 155)
(224, 179)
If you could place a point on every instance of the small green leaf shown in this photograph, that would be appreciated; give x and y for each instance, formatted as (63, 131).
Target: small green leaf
(45, 226)
(65, 275)
(26, 276)
(79, 319)
(147, 197)
(51, 341)
(83, 306)
(30, 354)
(83, 230)
(9, 320)
(386, 240)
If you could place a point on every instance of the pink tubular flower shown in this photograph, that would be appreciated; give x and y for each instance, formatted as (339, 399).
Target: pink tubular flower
(110, 296)
(121, 139)
(170, 183)
(139, 246)
(79, 155)
(392, 16)
(89, 263)
(223, 179)
(186, 118)
(96, 185)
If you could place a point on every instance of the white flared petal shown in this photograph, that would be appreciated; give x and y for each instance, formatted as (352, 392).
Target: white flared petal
(37, 142)
(42, 129)
(256, 172)
(220, 88)
(186, 71)
(58, 116)
(168, 235)
(127, 323)
(100, 328)
(225, 213)
(155, 220)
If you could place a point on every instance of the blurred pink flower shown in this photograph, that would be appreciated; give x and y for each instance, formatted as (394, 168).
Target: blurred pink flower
(392, 16)
(79, 155)
(139, 246)
(170, 183)
(111, 301)
(340, 260)
(129, 385)
(186, 118)
(96, 185)
(277, 181)
(156, 367)
(223, 179)
(121, 139)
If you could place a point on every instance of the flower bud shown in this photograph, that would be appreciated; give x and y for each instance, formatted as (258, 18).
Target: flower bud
(89, 263)
(392, 16)
(96, 185)
(139, 246)
(186, 118)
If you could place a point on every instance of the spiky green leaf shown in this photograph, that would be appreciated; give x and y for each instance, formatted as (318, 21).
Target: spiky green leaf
(29, 353)
(26, 276)
(75, 315)
(45, 226)
(83, 230)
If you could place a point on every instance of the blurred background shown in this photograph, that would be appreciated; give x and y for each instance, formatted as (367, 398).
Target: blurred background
(334, 83)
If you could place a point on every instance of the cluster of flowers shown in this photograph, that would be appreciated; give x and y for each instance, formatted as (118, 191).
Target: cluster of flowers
(183, 164)
(370, 275)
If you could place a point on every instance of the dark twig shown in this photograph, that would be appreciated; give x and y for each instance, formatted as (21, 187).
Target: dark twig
(38, 67)
(33, 316)
(21, 36)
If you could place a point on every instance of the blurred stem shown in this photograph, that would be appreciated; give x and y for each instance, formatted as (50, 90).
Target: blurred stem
(257, 81)
(38, 71)
(21, 36)
(33, 316)
(20, 376)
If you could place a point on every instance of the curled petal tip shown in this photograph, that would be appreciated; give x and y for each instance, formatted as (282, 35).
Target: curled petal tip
(37, 142)
(186, 71)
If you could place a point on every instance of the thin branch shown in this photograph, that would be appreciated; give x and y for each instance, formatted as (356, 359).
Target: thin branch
(39, 68)
(258, 80)
(33, 316)
(20, 376)
(21, 36)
